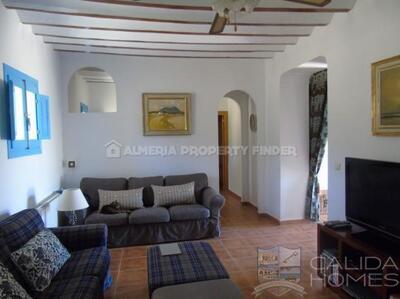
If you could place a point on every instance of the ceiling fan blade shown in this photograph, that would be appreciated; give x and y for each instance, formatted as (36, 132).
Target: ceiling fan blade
(218, 24)
(319, 3)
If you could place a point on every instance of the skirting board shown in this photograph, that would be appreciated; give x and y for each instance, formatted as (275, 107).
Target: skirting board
(233, 194)
(282, 222)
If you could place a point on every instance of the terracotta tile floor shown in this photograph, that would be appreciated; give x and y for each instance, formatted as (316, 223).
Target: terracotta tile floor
(243, 230)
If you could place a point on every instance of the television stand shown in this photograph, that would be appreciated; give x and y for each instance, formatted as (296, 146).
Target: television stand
(364, 268)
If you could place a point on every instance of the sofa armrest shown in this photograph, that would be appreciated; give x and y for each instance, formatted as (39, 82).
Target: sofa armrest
(81, 237)
(213, 201)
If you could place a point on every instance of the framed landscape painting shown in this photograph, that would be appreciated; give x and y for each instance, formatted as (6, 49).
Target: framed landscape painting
(386, 97)
(167, 114)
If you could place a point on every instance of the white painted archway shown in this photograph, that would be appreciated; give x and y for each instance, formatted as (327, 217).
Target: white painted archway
(294, 131)
(248, 140)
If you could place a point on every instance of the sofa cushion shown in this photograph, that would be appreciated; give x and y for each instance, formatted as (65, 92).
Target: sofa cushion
(148, 197)
(200, 182)
(127, 199)
(93, 261)
(188, 212)
(85, 287)
(109, 219)
(9, 286)
(149, 215)
(90, 188)
(40, 259)
(166, 196)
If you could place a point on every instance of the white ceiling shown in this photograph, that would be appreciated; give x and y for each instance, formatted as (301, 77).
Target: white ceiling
(171, 28)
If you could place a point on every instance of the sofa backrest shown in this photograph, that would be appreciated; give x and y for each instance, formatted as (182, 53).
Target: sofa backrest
(90, 188)
(148, 196)
(200, 182)
(15, 231)
(19, 228)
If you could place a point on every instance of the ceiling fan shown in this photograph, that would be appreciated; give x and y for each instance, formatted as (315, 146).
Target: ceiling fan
(225, 8)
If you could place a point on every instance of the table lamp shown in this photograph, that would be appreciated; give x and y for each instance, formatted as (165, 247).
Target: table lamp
(71, 200)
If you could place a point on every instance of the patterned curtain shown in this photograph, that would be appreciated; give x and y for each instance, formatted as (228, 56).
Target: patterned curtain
(318, 138)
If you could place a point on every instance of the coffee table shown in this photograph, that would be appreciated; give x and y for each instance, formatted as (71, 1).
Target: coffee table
(197, 262)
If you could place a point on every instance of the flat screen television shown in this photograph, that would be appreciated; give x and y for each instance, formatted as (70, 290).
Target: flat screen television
(373, 195)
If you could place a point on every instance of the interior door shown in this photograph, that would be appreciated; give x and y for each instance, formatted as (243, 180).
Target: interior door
(223, 143)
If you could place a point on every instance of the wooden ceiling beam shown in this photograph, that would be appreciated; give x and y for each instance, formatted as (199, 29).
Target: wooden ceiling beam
(168, 42)
(157, 20)
(316, 3)
(209, 8)
(161, 49)
(161, 56)
(162, 31)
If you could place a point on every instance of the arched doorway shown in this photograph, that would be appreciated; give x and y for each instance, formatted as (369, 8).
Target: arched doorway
(294, 131)
(238, 170)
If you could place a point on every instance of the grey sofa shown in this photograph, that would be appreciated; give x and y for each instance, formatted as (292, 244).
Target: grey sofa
(151, 225)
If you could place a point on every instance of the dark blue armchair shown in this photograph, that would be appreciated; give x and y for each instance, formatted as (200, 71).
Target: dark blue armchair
(83, 275)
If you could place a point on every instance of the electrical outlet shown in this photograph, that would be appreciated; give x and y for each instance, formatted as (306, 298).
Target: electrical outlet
(71, 164)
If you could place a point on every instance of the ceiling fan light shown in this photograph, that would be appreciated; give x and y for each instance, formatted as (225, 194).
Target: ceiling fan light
(250, 5)
(218, 24)
(227, 10)
(220, 6)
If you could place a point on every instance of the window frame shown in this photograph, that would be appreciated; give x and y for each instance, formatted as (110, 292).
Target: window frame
(26, 147)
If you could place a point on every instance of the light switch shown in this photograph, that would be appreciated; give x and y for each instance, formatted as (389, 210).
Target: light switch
(338, 166)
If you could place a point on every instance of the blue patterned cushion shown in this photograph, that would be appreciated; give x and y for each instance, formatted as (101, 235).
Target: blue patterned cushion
(40, 259)
(9, 287)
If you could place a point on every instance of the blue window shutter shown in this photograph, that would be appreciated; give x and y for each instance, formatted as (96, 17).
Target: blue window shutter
(43, 117)
(10, 94)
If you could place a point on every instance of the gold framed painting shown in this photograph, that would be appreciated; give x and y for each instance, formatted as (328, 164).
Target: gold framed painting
(167, 114)
(386, 97)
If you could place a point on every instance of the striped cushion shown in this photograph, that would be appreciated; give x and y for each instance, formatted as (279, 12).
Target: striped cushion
(173, 195)
(128, 199)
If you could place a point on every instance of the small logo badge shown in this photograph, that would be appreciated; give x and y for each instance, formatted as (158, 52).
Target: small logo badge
(279, 271)
(113, 149)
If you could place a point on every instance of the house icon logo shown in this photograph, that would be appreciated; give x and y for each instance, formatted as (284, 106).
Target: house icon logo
(113, 149)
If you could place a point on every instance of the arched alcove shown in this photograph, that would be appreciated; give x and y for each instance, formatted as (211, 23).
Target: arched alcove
(92, 89)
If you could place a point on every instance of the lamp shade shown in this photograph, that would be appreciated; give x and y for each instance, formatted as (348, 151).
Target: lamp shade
(72, 200)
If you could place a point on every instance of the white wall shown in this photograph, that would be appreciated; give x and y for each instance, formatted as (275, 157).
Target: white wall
(102, 97)
(294, 131)
(350, 44)
(27, 180)
(208, 81)
(235, 140)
